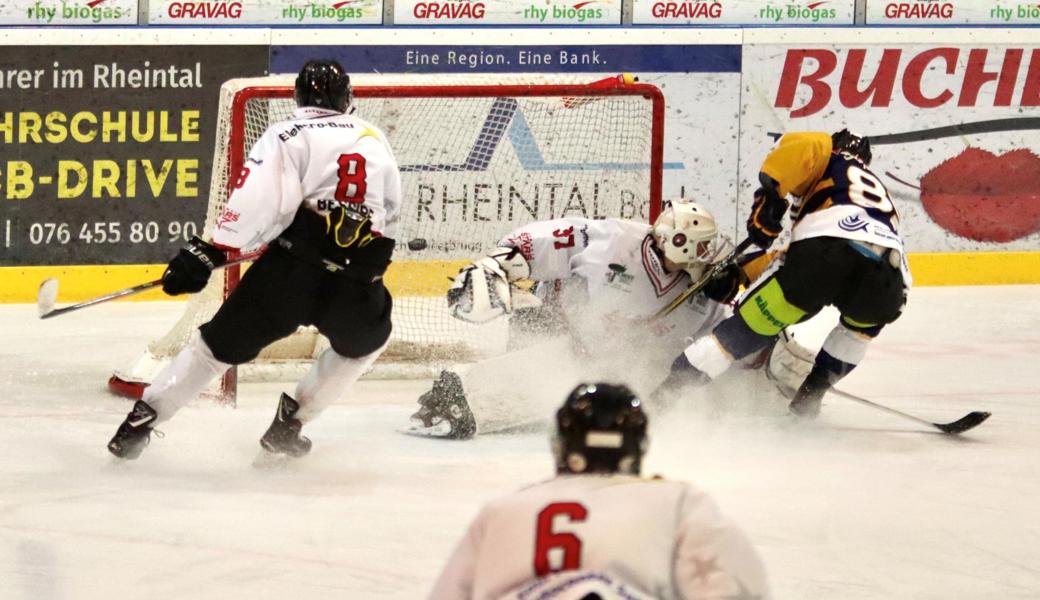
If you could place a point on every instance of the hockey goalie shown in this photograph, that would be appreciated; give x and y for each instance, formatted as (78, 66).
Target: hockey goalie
(590, 314)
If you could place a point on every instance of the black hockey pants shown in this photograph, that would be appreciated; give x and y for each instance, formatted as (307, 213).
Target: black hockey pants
(281, 292)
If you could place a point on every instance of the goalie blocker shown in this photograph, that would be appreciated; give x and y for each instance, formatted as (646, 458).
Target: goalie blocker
(486, 289)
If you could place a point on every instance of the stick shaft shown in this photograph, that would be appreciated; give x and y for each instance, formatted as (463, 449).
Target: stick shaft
(705, 279)
(880, 407)
(130, 291)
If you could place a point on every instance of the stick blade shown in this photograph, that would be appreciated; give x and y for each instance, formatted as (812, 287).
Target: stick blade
(47, 297)
(968, 421)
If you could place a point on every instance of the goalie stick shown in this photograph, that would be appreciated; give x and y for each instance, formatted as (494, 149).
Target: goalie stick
(705, 279)
(968, 421)
(48, 293)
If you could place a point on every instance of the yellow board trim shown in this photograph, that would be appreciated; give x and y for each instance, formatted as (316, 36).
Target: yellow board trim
(78, 283)
(431, 277)
(974, 268)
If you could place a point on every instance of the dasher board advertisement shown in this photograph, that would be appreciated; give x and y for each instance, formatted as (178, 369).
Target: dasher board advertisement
(507, 12)
(954, 126)
(105, 151)
(954, 12)
(68, 12)
(265, 12)
(743, 12)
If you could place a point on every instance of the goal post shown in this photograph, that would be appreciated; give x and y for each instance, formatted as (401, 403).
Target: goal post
(479, 156)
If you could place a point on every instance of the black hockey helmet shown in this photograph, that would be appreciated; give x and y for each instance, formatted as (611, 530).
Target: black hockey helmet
(323, 83)
(846, 141)
(601, 428)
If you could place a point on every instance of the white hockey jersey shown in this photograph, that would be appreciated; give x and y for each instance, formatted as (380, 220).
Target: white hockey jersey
(656, 538)
(614, 279)
(319, 159)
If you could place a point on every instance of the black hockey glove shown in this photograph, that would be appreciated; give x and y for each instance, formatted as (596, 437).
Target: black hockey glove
(189, 271)
(767, 214)
(723, 288)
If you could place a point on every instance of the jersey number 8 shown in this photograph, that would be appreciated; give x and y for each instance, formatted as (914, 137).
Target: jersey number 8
(351, 187)
(867, 191)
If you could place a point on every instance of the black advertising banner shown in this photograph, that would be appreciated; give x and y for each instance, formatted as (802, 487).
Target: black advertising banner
(106, 150)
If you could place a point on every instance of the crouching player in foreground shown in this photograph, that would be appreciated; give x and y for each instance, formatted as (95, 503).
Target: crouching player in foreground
(598, 530)
(613, 276)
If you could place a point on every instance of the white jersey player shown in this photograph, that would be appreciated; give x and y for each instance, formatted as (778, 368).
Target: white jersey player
(322, 191)
(614, 276)
(597, 527)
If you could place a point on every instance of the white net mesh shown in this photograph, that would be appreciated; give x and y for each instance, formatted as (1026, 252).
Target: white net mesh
(473, 168)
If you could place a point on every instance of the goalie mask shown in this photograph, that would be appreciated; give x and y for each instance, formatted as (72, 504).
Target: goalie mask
(324, 84)
(685, 232)
(601, 428)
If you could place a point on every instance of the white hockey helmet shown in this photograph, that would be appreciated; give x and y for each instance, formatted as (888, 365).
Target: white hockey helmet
(686, 232)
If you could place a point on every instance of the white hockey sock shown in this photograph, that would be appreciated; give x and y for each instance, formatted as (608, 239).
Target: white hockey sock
(329, 378)
(707, 355)
(181, 380)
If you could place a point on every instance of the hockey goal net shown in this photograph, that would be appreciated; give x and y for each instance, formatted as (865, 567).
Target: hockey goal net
(478, 156)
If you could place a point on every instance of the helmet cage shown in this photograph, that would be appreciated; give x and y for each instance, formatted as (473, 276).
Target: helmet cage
(687, 235)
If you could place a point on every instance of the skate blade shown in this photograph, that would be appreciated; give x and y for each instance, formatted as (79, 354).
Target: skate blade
(441, 430)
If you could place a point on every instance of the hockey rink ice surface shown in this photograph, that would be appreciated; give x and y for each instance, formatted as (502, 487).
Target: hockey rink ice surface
(860, 505)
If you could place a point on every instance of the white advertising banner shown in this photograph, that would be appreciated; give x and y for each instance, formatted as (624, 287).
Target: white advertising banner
(265, 12)
(507, 12)
(743, 12)
(700, 79)
(68, 12)
(960, 12)
(954, 125)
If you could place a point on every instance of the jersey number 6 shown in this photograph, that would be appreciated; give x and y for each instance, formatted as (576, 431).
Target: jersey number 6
(546, 539)
(351, 187)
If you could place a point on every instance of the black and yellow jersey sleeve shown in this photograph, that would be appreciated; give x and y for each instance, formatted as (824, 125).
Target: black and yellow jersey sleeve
(755, 263)
(798, 160)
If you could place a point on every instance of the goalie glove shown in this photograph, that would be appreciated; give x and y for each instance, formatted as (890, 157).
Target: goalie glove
(483, 290)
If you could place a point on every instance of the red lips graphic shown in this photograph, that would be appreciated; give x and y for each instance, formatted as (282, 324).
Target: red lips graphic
(984, 197)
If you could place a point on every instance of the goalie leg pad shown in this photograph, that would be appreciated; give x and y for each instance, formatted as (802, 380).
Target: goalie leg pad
(789, 364)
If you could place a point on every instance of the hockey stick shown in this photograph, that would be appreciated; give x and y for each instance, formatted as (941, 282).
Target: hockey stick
(968, 421)
(48, 294)
(715, 269)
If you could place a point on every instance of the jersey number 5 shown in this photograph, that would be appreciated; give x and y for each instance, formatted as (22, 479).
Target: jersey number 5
(546, 539)
(351, 187)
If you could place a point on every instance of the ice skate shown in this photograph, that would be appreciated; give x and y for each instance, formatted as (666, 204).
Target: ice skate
(134, 433)
(283, 436)
(809, 397)
(443, 411)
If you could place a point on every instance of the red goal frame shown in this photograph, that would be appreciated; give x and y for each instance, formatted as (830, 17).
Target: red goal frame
(618, 85)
